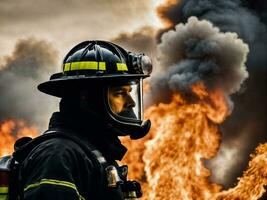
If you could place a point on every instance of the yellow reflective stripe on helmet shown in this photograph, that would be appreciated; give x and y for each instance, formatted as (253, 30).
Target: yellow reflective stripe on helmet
(122, 67)
(92, 65)
(66, 67)
(3, 190)
(84, 65)
(102, 66)
(55, 182)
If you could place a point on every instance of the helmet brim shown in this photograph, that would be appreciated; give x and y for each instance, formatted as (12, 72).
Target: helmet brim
(62, 86)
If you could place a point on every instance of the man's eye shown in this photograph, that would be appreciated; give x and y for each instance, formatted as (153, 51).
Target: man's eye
(120, 93)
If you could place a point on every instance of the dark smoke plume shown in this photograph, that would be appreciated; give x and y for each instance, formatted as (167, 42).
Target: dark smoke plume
(195, 52)
(247, 125)
(31, 62)
(229, 16)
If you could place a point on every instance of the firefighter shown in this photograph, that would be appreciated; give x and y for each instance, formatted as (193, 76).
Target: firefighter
(101, 98)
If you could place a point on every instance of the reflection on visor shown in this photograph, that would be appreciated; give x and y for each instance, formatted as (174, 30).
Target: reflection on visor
(124, 100)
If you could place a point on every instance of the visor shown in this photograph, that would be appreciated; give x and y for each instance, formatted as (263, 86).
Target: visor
(125, 101)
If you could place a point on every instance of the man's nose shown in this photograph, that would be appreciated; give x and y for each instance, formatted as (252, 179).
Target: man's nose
(130, 102)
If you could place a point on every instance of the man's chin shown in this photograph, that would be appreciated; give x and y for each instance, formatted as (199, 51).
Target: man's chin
(129, 113)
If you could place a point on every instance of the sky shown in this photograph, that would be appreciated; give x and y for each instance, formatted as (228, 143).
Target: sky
(66, 22)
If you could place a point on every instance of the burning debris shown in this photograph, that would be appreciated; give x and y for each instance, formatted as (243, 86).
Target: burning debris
(198, 59)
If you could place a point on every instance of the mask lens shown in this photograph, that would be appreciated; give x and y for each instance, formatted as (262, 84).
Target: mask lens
(124, 100)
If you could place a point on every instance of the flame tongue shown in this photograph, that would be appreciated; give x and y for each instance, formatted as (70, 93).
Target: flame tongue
(10, 131)
(215, 104)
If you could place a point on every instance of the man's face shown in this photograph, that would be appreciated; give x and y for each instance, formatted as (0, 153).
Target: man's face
(121, 101)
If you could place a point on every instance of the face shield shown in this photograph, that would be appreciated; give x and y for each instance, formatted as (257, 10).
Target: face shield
(125, 101)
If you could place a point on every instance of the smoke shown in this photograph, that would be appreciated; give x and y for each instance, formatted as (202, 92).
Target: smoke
(248, 19)
(257, 6)
(142, 41)
(66, 22)
(197, 51)
(30, 63)
(229, 16)
(170, 12)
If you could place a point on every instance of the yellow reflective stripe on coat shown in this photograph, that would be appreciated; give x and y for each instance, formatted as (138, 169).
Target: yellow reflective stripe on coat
(3, 197)
(55, 182)
(3, 193)
(3, 190)
(122, 67)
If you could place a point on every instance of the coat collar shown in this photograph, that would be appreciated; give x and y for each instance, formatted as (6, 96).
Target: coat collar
(93, 130)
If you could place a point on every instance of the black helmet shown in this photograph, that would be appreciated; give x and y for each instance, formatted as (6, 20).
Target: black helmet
(105, 65)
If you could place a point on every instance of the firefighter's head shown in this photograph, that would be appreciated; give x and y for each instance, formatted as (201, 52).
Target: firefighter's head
(107, 80)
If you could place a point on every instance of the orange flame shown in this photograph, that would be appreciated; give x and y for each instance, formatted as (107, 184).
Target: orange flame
(10, 131)
(169, 161)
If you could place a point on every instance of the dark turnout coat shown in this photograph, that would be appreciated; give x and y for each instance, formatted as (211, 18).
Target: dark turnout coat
(59, 168)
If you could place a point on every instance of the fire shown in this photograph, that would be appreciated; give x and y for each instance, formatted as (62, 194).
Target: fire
(10, 131)
(169, 161)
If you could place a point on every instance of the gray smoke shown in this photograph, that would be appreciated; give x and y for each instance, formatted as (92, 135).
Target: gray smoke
(142, 40)
(229, 15)
(197, 51)
(247, 18)
(31, 62)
